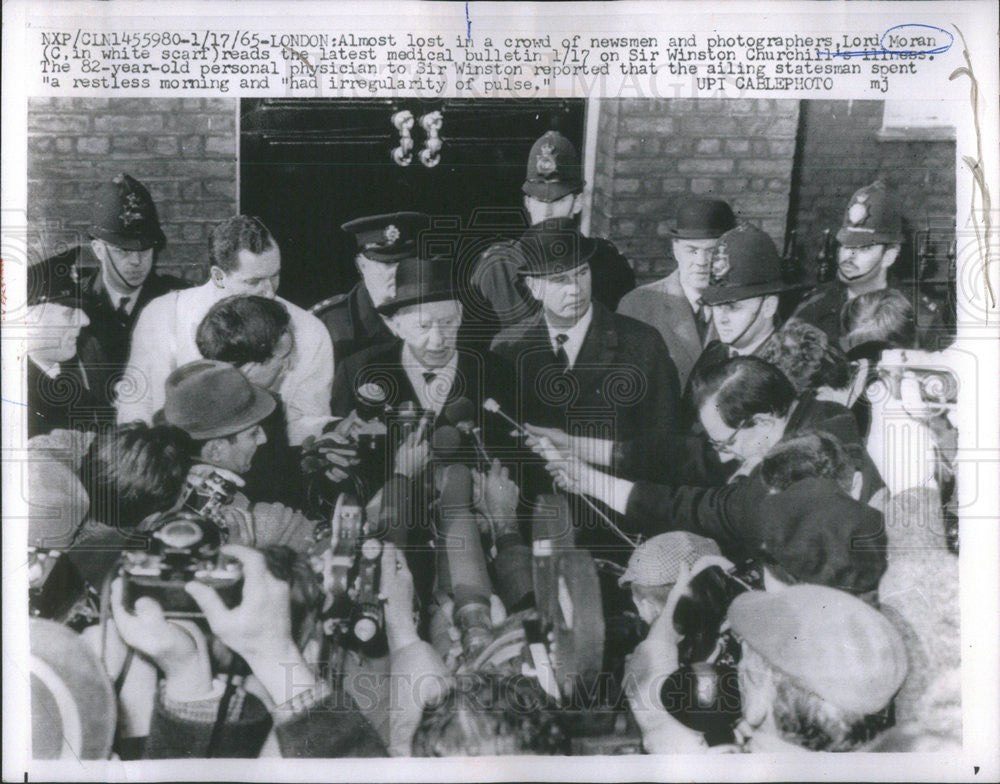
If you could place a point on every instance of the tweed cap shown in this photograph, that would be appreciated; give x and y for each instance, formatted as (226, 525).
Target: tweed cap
(657, 561)
(57, 501)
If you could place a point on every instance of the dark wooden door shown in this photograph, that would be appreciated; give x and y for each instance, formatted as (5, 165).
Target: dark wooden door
(309, 165)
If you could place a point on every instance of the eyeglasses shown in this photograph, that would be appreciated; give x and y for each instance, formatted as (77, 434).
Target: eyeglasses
(726, 444)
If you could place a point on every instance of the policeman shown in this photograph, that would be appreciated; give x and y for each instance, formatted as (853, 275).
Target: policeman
(61, 393)
(382, 241)
(125, 239)
(743, 293)
(553, 188)
(870, 238)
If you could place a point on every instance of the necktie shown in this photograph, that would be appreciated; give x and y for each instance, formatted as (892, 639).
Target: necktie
(702, 317)
(562, 358)
(122, 310)
(429, 376)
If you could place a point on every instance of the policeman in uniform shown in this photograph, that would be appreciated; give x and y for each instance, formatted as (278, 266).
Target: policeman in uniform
(870, 239)
(61, 393)
(553, 188)
(743, 292)
(382, 241)
(125, 239)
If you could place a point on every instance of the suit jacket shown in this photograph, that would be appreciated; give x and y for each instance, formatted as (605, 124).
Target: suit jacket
(623, 382)
(479, 376)
(727, 513)
(65, 402)
(664, 307)
(353, 323)
(104, 343)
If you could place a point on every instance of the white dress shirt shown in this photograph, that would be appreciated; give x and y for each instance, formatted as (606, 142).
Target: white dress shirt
(574, 335)
(164, 339)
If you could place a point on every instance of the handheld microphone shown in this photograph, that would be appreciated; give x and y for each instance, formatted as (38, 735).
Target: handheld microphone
(494, 408)
(465, 563)
(462, 414)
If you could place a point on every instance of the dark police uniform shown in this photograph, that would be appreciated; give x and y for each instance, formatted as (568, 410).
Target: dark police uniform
(124, 216)
(553, 172)
(871, 218)
(66, 396)
(351, 319)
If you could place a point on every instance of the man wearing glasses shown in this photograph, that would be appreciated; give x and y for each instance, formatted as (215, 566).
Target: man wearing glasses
(746, 406)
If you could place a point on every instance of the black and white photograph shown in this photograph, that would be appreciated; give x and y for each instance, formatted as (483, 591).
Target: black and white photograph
(393, 426)
(449, 428)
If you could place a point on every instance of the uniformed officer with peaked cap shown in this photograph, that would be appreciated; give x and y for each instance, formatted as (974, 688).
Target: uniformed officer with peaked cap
(382, 242)
(870, 238)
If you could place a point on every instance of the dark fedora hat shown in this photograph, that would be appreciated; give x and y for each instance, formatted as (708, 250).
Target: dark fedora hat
(209, 399)
(745, 263)
(554, 246)
(124, 215)
(390, 237)
(700, 218)
(421, 281)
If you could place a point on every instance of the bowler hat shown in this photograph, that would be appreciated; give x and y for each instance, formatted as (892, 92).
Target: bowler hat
(73, 707)
(390, 237)
(828, 642)
(209, 399)
(55, 281)
(703, 219)
(745, 263)
(421, 281)
(818, 534)
(871, 218)
(124, 215)
(553, 168)
(554, 246)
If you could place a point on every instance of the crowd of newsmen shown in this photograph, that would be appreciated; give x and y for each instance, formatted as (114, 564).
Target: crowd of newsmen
(753, 478)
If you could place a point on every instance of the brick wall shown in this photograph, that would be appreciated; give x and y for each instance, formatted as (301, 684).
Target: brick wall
(182, 150)
(652, 153)
(841, 152)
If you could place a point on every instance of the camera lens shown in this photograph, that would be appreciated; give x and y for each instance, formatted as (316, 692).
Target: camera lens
(181, 534)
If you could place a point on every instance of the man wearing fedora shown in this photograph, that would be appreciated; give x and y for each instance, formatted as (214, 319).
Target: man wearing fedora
(382, 241)
(244, 259)
(125, 239)
(674, 305)
(576, 360)
(222, 412)
(553, 188)
(426, 366)
(870, 239)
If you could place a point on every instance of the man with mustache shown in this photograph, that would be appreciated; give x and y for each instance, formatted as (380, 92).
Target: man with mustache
(870, 238)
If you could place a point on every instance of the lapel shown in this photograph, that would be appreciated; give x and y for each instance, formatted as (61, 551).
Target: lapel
(599, 347)
(681, 320)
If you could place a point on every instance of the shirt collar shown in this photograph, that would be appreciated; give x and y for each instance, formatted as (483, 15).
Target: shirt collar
(433, 395)
(574, 335)
(693, 297)
(52, 370)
